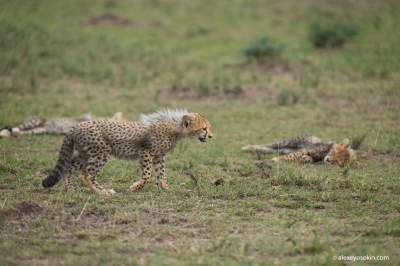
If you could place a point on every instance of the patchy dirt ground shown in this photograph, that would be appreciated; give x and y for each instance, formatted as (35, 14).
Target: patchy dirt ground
(109, 19)
(216, 93)
(22, 212)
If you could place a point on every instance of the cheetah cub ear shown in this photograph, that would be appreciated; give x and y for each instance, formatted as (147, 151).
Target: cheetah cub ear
(119, 116)
(187, 121)
(345, 142)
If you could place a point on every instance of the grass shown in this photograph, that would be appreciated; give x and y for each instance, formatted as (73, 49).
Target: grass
(330, 34)
(53, 62)
(262, 49)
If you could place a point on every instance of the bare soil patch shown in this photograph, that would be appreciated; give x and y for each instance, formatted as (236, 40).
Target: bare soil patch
(386, 157)
(238, 92)
(109, 19)
(22, 210)
(333, 100)
(275, 65)
(94, 218)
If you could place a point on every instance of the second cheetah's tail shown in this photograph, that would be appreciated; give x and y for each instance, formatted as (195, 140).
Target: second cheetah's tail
(63, 163)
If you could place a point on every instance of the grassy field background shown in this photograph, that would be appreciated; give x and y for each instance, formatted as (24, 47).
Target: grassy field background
(65, 58)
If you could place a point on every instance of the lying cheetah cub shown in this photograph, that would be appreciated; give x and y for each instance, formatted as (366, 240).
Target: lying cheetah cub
(34, 125)
(148, 140)
(307, 149)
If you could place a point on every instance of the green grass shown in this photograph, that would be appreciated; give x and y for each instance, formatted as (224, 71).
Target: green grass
(331, 34)
(53, 63)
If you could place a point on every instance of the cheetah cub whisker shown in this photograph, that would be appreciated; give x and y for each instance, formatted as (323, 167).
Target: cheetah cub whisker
(89, 146)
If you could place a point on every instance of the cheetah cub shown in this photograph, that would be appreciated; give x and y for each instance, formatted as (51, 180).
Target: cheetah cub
(307, 149)
(89, 145)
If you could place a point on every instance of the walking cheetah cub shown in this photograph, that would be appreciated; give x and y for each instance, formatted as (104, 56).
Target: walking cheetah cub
(89, 145)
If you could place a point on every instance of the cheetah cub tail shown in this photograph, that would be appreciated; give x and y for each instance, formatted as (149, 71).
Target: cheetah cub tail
(62, 165)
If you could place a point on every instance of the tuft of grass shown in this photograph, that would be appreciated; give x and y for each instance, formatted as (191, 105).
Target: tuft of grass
(262, 50)
(356, 142)
(287, 97)
(315, 246)
(366, 196)
(331, 33)
(392, 228)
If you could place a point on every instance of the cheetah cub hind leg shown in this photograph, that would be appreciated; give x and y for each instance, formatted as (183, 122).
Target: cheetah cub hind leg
(93, 185)
(97, 158)
(67, 184)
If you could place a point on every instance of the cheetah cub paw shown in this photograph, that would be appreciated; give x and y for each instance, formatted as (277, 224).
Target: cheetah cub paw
(136, 186)
(107, 192)
(164, 186)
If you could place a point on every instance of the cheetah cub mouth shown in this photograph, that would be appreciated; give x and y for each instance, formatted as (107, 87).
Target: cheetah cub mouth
(202, 139)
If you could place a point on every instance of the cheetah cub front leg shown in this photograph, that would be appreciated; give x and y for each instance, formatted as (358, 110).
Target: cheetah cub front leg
(146, 163)
(159, 167)
(301, 156)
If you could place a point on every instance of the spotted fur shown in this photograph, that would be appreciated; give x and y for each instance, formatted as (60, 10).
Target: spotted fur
(148, 140)
(40, 125)
(307, 149)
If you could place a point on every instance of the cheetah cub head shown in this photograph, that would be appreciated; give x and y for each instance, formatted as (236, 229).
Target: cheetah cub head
(196, 125)
(340, 153)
